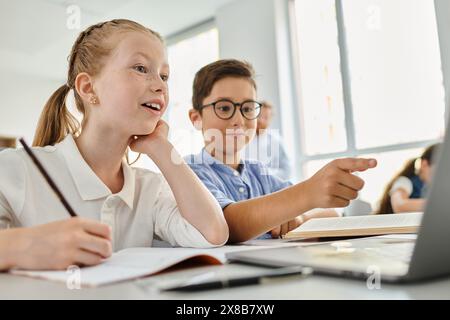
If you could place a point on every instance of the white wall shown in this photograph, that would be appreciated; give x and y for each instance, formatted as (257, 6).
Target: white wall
(22, 99)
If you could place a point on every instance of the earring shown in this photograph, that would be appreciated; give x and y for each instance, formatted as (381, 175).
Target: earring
(93, 100)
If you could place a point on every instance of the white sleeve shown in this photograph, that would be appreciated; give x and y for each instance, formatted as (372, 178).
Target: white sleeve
(402, 183)
(170, 224)
(12, 187)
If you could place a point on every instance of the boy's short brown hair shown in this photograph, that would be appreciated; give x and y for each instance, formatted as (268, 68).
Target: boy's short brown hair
(207, 76)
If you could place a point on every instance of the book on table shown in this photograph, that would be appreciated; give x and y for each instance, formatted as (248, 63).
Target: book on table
(355, 226)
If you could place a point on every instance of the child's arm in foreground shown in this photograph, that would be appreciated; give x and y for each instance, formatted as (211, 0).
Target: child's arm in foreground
(195, 202)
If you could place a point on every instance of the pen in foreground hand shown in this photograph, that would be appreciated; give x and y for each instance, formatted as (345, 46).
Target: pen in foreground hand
(241, 281)
(47, 178)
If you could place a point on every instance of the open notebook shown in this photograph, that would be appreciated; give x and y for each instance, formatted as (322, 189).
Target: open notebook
(133, 263)
(369, 225)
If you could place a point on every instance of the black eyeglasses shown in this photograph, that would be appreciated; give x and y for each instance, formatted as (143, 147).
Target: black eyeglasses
(225, 109)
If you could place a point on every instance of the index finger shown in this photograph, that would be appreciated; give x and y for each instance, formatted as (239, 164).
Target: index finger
(356, 164)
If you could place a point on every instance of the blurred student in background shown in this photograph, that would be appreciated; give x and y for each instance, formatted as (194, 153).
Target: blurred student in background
(268, 147)
(407, 190)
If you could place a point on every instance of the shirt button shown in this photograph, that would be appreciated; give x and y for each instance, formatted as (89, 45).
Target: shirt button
(236, 173)
(241, 189)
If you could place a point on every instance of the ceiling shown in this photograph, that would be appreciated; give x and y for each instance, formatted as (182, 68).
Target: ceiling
(35, 38)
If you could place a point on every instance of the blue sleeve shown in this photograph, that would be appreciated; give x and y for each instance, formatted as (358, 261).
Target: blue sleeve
(213, 185)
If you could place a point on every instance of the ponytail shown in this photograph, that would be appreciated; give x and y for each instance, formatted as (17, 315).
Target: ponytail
(55, 122)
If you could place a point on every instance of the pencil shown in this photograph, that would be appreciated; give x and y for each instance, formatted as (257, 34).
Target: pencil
(47, 178)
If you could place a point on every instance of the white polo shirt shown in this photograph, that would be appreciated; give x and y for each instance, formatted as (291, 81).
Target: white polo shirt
(143, 210)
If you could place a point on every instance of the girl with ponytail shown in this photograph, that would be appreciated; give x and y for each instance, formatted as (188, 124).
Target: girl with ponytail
(407, 190)
(118, 74)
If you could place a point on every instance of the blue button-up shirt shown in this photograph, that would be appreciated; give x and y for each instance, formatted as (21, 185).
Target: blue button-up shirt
(251, 180)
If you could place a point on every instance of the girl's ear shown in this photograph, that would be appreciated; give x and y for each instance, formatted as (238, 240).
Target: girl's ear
(85, 88)
(196, 119)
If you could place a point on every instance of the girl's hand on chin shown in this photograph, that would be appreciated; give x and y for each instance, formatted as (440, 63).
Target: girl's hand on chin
(149, 143)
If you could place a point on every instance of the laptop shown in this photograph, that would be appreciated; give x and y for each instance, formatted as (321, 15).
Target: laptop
(395, 258)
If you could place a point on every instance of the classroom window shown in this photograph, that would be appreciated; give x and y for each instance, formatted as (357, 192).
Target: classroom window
(322, 112)
(395, 71)
(370, 83)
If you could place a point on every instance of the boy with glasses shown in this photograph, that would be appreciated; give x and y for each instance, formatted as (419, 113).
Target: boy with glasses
(255, 203)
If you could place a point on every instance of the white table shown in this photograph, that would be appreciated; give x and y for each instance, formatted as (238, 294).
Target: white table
(312, 287)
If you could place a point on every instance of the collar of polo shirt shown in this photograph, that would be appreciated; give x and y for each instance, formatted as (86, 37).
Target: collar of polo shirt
(88, 184)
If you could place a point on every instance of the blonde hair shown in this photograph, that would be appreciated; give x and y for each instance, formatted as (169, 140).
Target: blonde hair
(87, 54)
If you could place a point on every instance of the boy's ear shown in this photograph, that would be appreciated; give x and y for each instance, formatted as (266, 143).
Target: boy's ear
(84, 86)
(196, 119)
